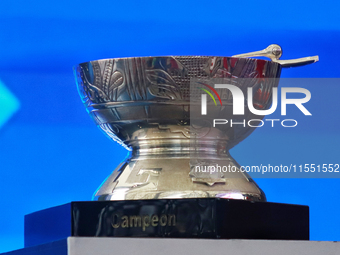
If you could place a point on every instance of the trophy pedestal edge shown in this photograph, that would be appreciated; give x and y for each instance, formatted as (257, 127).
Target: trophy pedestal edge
(165, 246)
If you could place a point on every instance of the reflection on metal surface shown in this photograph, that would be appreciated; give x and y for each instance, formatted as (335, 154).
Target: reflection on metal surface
(144, 104)
(274, 52)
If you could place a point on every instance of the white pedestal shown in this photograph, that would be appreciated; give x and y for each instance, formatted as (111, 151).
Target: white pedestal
(164, 246)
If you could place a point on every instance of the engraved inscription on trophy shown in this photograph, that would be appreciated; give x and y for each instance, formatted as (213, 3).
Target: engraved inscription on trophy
(134, 221)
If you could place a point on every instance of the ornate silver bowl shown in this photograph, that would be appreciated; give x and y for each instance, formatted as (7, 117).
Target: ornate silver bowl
(146, 104)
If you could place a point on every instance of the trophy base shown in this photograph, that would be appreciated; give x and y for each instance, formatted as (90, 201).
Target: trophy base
(170, 177)
(178, 218)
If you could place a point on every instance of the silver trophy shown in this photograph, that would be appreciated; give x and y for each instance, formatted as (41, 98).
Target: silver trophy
(146, 105)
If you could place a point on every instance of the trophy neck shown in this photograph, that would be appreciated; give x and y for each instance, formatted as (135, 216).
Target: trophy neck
(179, 148)
(169, 161)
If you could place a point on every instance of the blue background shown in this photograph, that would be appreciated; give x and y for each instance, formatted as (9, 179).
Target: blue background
(51, 152)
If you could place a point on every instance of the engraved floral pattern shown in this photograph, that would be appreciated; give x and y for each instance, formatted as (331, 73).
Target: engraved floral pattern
(162, 85)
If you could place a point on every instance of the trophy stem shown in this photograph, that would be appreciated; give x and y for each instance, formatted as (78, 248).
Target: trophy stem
(178, 168)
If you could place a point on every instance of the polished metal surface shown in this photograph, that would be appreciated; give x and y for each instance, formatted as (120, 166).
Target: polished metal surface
(145, 104)
(274, 52)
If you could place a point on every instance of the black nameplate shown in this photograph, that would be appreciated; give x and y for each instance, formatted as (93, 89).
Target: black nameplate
(180, 218)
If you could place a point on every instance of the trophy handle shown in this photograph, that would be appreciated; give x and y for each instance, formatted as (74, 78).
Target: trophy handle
(274, 52)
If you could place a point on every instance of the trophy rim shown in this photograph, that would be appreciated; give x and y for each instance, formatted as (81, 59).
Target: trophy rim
(176, 56)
